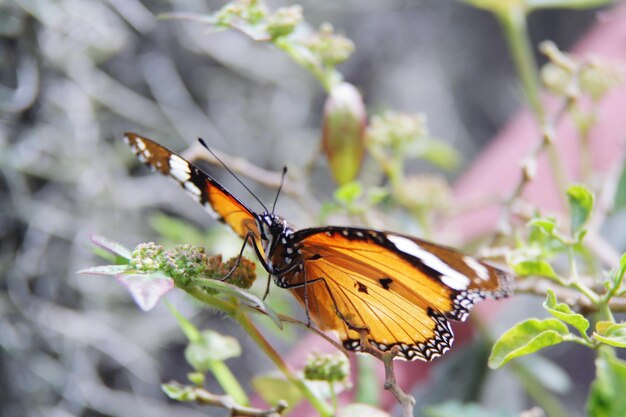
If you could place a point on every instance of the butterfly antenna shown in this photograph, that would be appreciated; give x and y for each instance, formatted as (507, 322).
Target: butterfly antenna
(203, 143)
(280, 188)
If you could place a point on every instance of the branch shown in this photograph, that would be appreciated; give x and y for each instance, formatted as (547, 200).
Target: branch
(242, 166)
(529, 167)
(407, 401)
(204, 397)
(571, 297)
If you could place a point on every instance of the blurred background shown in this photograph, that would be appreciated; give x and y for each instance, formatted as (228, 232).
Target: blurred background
(76, 74)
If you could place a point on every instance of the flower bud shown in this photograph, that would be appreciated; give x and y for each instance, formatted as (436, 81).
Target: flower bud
(330, 48)
(284, 21)
(330, 368)
(598, 77)
(344, 132)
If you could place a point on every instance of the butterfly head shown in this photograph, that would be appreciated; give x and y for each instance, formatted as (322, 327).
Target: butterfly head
(272, 229)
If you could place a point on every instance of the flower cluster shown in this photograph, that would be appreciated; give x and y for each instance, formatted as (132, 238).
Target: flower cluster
(395, 130)
(330, 368)
(182, 263)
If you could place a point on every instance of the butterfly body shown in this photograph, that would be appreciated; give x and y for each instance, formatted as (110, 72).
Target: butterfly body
(398, 289)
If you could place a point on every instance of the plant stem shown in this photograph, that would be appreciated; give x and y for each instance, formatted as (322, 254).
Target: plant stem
(328, 77)
(228, 382)
(513, 22)
(320, 406)
(244, 321)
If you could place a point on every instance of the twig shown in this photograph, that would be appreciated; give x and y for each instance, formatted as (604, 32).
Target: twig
(572, 297)
(204, 397)
(407, 401)
(529, 168)
(242, 166)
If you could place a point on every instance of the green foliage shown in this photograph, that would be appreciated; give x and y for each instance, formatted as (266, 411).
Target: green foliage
(211, 346)
(392, 139)
(540, 268)
(564, 313)
(607, 398)
(273, 387)
(525, 338)
(580, 200)
(612, 334)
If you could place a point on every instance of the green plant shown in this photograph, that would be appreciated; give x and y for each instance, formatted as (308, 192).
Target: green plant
(390, 140)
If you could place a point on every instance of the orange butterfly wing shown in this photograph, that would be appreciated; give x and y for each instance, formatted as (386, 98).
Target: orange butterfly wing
(400, 288)
(220, 203)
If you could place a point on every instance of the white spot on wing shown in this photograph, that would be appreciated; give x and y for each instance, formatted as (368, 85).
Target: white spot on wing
(481, 271)
(192, 188)
(140, 144)
(179, 168)
(451, 277)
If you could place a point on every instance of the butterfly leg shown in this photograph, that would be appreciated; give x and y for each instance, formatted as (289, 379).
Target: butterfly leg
(267, 288)
(249, 237)
(304, 284)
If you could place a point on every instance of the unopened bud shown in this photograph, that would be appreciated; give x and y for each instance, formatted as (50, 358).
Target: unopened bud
(343, 138)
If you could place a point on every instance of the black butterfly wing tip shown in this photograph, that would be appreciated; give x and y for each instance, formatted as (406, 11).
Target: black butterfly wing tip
(427, 350)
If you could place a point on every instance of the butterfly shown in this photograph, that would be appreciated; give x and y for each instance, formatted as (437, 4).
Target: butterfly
(399, 289)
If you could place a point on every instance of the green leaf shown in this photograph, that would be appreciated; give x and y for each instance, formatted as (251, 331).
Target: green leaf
(540, 268)
(566, 4)
(613, 334)
(376, 195)
(617, 274)
(104, 270)
(146, 289)
(580, 200)
(359, 410)
(273, 387)
(197, 378)
(177, 392)
(457, 409)
(349, 193)
(111, 246)
(620, 193)
(545, 225)
(527, 337)
(563, 312)
(251, 299)
(211, 347)
(606, 398)
(437, 152)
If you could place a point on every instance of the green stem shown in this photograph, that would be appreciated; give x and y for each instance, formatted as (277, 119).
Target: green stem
(320, 405)
(328, 77)
(244, 321)
(333, 395)
(228, 382)
(605, 312)
(544, 399)
(575, 280)
(513, 22)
